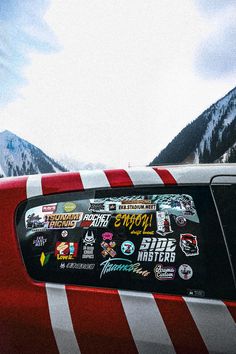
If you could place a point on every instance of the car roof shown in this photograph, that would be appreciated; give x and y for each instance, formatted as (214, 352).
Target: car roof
(168, 175)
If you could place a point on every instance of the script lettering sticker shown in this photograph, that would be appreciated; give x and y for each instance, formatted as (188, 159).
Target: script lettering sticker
(135, 223)
(122, 265)
(164, 272)
(153, 249)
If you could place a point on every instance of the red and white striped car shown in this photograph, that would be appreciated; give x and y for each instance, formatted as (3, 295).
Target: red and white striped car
(119, 261)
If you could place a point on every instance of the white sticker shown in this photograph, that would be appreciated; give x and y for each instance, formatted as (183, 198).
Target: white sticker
(185, 272)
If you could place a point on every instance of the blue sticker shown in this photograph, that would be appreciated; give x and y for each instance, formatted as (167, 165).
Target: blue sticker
(127, 248)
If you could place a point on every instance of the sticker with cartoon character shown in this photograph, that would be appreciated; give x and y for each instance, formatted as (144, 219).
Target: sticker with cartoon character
(189, 245)
(88, 245)
(185, 272)
(66, 250)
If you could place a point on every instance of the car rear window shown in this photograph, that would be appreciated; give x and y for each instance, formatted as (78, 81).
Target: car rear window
(225, 196)
(165, 240)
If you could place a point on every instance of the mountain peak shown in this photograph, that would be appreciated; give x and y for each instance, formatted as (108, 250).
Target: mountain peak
(7, 133)
(19, 157)
(209, 138)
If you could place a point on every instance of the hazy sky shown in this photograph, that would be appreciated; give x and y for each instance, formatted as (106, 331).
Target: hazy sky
(112, 81)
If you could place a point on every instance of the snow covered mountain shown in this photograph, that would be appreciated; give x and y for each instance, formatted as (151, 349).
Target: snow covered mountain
(209, 138)
(76, 165)
(19, 157)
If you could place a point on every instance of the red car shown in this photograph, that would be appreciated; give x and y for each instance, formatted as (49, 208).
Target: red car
(78, 276)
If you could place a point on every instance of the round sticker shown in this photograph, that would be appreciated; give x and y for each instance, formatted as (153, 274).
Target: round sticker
(127, 248)
(69, 207)
(185, 272)
(180, 221)
(64, 233)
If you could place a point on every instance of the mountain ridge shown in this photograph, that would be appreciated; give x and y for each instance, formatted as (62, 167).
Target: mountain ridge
(211, 137)
(19, 157)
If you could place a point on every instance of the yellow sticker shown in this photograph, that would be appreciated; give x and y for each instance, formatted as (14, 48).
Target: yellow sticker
(69, 207)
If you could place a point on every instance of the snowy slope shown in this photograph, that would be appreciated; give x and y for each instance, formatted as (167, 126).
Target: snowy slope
(18, 157)
(76, 165)
(209, 138)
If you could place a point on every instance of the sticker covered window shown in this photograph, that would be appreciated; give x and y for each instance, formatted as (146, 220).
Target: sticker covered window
(147, 241)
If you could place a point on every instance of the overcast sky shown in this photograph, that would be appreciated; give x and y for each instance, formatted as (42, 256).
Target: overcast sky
(112, 81)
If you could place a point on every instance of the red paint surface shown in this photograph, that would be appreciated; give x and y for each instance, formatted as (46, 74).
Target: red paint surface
(24, 318)
(231, 305)
(118, 178)
(97, 314)
(165, 175)
(61, 182)
(180, 325)
(99, 321)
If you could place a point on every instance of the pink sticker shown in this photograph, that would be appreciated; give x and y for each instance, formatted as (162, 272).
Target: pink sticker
(107, 236)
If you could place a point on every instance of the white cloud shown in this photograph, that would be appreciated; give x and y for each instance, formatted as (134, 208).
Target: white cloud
(122, 86)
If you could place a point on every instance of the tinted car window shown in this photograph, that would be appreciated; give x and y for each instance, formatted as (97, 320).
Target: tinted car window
(165, 240)
(225, 196)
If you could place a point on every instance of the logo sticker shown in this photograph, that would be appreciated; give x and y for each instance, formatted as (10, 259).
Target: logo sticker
(77, 266)
(153, 249)
(64, 233)
(196, 292)
(127, 248)
(180, 221)
(187, 206)
(189, 245)
(122, 265)
(185, 272)
(107, 236)
(39, 241)
(69, 207)
(137, 205)
(89, 238)
(96, 207)
(44, 259)
(34, 221)
(66, 250)
(61, 221)
(164, 272)
(163, 223)
(112, 207)
(88, 245)
(49, 208)
(131, 221)
(95, 220)
(108, 249)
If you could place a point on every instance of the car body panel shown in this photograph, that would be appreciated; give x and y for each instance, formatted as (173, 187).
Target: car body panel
(41, 317)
